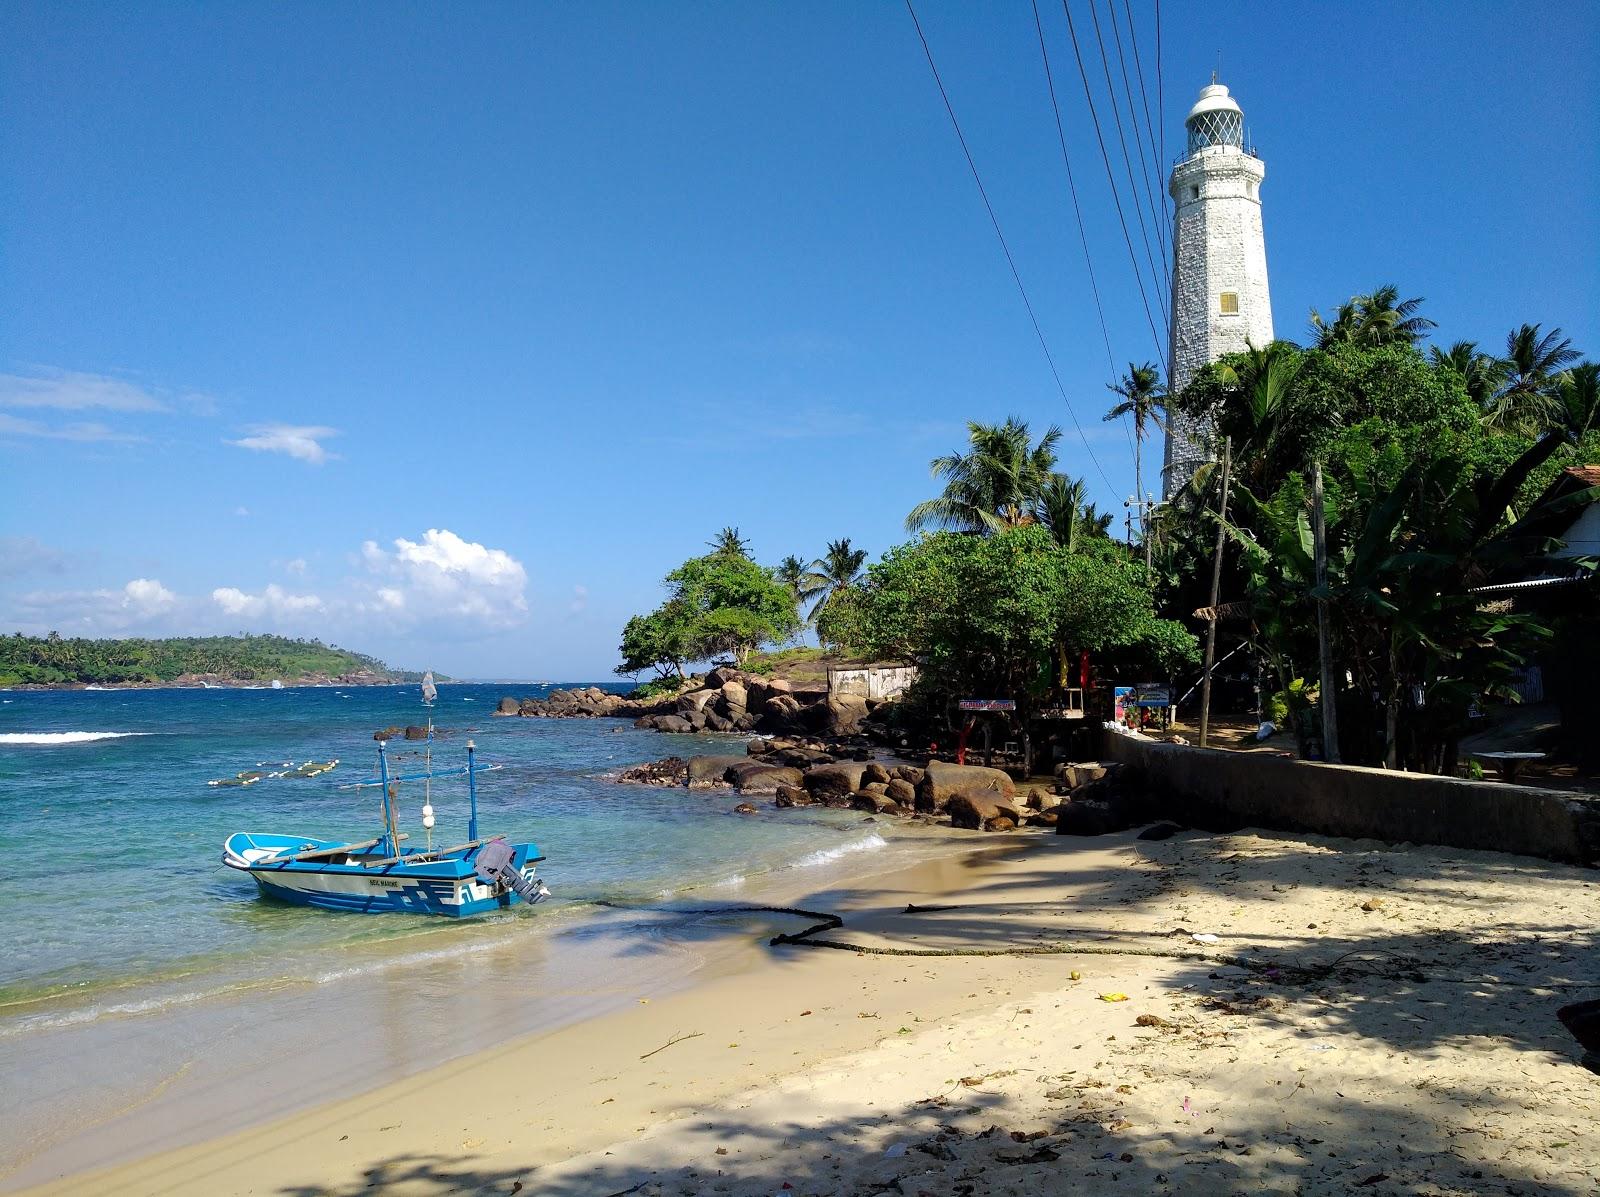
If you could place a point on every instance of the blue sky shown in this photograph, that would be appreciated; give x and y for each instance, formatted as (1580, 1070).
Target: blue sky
(444, 331)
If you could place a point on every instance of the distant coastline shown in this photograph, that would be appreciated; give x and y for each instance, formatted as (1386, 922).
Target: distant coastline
(54, 662)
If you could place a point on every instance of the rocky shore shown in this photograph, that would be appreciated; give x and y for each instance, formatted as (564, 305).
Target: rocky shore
(725, 700)
(1085, 799)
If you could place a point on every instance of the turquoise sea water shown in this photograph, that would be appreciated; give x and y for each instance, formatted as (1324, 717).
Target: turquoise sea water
(147, 993)
(109, 847)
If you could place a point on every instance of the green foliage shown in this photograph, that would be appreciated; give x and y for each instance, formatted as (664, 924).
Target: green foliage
(720, 603)
(1433, 469)
(994, 484)
(656, 687)
(785, 660)
(52, 659)
(993, 616)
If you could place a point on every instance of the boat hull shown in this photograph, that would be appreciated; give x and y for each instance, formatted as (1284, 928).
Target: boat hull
(413, 883)
(385, 894)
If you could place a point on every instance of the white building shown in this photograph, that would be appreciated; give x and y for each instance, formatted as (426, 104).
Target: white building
(1220, 301)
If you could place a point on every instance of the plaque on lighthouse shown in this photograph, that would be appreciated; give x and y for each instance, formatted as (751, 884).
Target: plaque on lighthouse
(1220, 300)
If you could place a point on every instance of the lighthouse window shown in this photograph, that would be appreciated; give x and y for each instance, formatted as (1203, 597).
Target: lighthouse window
(1230, 303)
(1194, 193)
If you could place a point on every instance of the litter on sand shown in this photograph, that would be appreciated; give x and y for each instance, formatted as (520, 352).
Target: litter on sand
(1113, 997)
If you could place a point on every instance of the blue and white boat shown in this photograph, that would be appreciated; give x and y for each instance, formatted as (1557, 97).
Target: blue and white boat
(381, 875)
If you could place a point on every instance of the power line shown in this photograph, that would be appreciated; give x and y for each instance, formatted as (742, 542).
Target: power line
(994, 220)
(1127, 159)
(1153, 177)
(1077, 210)
(1116, 195)
(1161, 111)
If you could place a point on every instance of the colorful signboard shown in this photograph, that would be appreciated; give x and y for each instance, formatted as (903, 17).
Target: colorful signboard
(988, 704)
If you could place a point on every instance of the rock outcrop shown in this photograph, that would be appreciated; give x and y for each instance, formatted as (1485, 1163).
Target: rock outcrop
(942, 780)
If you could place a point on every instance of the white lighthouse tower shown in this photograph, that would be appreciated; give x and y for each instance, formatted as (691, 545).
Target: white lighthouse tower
(1220, 302)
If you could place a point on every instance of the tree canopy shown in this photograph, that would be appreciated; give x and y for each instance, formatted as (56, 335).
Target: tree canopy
(721, 603)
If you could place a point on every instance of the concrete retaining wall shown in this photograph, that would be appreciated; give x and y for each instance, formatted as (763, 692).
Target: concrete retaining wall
(1223, 791)
(875, 682)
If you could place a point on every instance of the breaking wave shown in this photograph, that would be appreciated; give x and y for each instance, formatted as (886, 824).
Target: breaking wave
(73, 737)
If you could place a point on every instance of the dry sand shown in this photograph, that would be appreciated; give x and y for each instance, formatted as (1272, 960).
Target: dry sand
(1406, 1043)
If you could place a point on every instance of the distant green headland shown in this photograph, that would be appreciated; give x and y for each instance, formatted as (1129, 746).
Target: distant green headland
(190, 660)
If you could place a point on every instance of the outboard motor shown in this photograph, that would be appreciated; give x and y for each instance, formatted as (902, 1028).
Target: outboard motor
(494, 864)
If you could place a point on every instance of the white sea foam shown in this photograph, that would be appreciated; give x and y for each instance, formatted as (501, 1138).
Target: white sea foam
(824, 856)
(44, 739)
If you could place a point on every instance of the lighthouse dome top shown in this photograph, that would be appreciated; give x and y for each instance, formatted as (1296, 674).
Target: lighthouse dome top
(1215, 120)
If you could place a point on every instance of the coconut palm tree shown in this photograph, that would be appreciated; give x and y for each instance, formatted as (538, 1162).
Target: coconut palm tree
(1380, 318)
(994, 484)
(729, 543)
(791, 572)
(1481, 373)
(1145, 399)
(1528, 399)
(831, 574)
(1061, 507)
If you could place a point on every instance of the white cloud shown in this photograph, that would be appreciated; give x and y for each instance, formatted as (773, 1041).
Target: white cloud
(146, 596)
(444, 577)
(442, 584)
(77, 431)
(67, 390)
(303, 442)
(143, 604)
(241, 511)
(580, 600)
(273, 603)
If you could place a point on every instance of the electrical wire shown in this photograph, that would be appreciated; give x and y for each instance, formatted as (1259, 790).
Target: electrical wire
(1153, 177)
(1116, 195)
(1077, 209)
(994, 220)
(1127, 160)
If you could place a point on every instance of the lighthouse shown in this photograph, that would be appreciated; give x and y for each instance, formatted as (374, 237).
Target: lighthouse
(1220, 302)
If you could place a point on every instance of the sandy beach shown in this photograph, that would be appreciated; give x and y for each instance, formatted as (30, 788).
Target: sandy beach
(1391, 1029)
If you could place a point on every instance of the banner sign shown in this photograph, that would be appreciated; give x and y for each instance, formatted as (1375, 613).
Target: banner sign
(988, 704)
(1152, 696)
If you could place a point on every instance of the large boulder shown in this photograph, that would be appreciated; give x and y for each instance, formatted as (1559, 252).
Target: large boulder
(735, 699)
(508, 706)
(877, 803)
(414, 732)
(974, 808)
(674, 771)
(697, 719)
(716, 723)
(875, 772)
(845, 714)
(907, 773)
(721, 676)
(757, 691)
(529, 706)
(1039, 800)
(794, 796)
(1082, 773)
(706, 772)
(1087, 816)
(902, 791)
(780, 713)
(838, 780)
(941, 780)
(757, 777)
(695, 700)
(672, 723)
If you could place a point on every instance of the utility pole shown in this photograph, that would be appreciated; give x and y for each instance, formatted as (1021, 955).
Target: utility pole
(1319, 536)
(1146, 516)
(1216, 595)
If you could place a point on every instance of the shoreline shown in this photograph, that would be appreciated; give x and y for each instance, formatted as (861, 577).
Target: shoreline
(1440, 1070)
(402, 1006)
